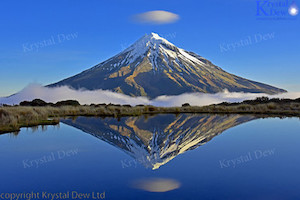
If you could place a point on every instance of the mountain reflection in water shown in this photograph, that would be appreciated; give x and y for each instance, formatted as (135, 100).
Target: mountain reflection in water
(155, 140)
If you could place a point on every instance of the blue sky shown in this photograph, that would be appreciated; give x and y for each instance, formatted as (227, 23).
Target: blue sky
(88, 32)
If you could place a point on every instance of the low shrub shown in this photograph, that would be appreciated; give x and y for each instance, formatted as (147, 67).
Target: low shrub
(67, 103)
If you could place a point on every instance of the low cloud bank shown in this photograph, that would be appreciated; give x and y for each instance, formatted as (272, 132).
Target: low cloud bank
(34, 91)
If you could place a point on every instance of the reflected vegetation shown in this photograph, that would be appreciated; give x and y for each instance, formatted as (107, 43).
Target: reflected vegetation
(34, 129)
(155, 140)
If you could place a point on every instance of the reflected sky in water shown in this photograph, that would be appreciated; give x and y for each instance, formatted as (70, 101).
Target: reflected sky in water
(193, 156)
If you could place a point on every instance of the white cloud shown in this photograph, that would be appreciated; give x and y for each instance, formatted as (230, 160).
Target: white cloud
(156, 17)
(34, 91)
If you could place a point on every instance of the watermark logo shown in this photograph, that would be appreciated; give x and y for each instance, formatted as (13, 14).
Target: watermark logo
(51, 157)
(293, 9)
(169, 36)
(52, 196)
(246, 41)
(124, 46)
(276, 9)
(133, 162)
(250, 156)
(53, 40)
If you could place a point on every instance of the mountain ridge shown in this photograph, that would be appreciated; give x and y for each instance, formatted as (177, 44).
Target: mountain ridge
(153, 66)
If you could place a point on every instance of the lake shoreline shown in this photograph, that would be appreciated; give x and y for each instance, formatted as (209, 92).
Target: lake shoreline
(12, 118)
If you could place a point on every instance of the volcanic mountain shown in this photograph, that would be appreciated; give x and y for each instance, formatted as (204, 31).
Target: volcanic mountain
(153, 66)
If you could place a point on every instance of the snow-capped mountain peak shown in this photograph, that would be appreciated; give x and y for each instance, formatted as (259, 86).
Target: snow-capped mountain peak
(153, 66)
(151, 40)
(150, 45)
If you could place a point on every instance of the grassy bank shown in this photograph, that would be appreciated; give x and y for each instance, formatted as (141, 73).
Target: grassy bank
(12, 118)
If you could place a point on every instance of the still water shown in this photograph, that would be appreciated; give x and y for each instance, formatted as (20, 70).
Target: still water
(155, 157)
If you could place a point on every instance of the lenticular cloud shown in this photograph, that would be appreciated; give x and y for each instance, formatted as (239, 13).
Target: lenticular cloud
(156, 17)
(35, 91)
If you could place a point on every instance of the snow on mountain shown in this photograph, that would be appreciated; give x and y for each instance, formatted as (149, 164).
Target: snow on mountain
(153, 66)
(153, 143)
